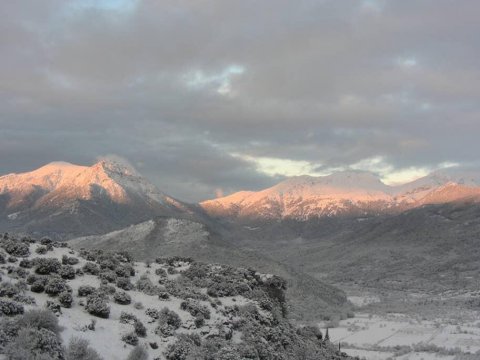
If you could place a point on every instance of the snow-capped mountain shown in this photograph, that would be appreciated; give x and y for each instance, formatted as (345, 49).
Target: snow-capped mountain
(344, 193)
(69, 199)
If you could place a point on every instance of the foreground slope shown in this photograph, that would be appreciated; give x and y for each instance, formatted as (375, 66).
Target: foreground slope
(309, 298)
(172, 308)
(64, 200)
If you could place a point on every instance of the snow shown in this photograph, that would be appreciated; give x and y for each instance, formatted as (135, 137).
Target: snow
(62, 180)
(106, 338)
(302, 197)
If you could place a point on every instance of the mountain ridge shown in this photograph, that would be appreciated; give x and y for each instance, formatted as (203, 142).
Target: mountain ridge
(355, 193)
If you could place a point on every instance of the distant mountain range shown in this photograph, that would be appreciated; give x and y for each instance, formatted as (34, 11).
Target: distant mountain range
(356, 193)
(67, 200)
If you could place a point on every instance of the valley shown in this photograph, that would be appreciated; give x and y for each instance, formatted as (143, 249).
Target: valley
(409, 326)
(394, 273)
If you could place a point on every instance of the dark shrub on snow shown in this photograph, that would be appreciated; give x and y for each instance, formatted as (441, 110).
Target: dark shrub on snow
(67, 272)
(66, 260)
(35, 344)
(97, 305)
(79, 349)
(170, 318)
(127, 318)
(195, 308)
(46, 266)
(85, 290)
(124, 284)
(10, 308)
(46, 241)
(65, 299)
(122, 298)
(39, 319)
(17, 248)
(140, 329)
(41, 250)
(38, 286)
(130, 339)
(56, 286)
(26, 263)
(91, 268)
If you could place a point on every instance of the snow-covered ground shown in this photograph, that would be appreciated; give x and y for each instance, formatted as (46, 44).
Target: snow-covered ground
(106, 339)
(377, 336)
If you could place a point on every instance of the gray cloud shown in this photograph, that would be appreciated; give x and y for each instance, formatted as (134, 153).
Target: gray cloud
(180, 88)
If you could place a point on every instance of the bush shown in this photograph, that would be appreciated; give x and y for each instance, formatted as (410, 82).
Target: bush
(9, 290)
(106, 289)
(39, 319)
(185, 348)
(69, 260)
(140, 329)
(17, 249)
(38, 286)
(85, 290)
(47, 266)
(67, 272)
(130, 339)
(26, 263)
(122, 298)
(124, 284)
(138, 353)
(33, 344)
(108, 276)
(65, 299)
(153, 313)
(79, 349)
(56, 286)
(91, 268)
(199, 321)
(194, 308)
(46, 241)
(161, 272)
(127, 318)
(145, 285)
(97, 306)
(168, 321)
(10, 308)
(310, 331)
(163, 295)
(41, 250)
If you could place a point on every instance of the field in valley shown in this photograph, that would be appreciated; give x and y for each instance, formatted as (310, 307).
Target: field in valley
(409, 327)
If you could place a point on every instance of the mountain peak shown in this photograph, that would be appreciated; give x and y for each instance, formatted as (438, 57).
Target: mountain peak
(116, 166)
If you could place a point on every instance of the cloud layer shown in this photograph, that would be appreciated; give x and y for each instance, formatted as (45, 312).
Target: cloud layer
(209, 97)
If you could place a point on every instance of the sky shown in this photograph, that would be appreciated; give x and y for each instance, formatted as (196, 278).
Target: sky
(210, 97)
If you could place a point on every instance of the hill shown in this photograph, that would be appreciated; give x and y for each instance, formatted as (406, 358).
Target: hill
(104, 306)
(309, 298)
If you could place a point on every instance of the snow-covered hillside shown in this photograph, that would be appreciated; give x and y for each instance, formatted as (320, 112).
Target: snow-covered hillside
(347, 192)
(102, 197)
(172, 308)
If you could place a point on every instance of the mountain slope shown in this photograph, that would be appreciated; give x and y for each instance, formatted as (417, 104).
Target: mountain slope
(353, 193)
(63, 199)
(433, 248)
(309, 297)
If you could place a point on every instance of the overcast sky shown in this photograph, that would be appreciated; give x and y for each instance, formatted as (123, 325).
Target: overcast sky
(211, 97)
